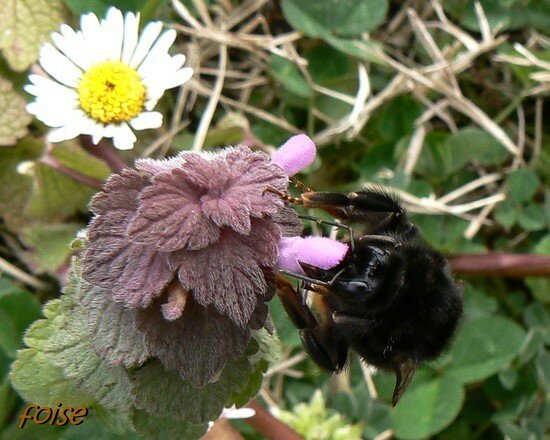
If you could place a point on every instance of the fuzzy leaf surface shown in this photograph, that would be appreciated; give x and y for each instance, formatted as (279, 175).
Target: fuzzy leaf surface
(56, 195)
(13, 117)
(239, 278)
(26, 25)
(156, 388)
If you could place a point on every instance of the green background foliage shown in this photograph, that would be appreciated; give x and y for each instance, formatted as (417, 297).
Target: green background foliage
(494, 380)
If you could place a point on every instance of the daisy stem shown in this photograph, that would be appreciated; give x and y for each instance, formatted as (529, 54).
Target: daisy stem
(106, 152)
(54, 164)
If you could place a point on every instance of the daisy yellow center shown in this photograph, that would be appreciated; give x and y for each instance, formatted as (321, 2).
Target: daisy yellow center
(111, 92)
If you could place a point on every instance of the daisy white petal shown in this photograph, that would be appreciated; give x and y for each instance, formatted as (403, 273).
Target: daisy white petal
(153, 66)
(91, 31)
(97, 135)
(146, 120)
(161, 47)
(155, 93)
(64, 133)
(177, 61)
(46, 91)
(53, 117)
(71, 47)
(131, 25)
(113, 29)
(124, 137)
(90, 25)
(59, 66)
(178, 78)
(148, 37)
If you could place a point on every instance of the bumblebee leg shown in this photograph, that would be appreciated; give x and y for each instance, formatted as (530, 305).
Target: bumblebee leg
(327, 349)
(300, 186)
(298, 312)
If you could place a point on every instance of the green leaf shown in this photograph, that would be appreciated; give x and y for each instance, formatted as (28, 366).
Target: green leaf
(165, 394)
(69, 347)
(477, 304)
(537, 317)
(317, 18)
(35, 378)
(522, 184)
(533, 342)
(13, 117)
(32, 431)
(50, 243)
(540, 286)
(62, 343)
(483, 347)
(9, 336)
(507, 213)
(15, 187)
(18, 308)
(269, 347)
(435, 161)
(364, 50)
(285, 329)
(253, 386)
(428, 408)
(7, 399)
(475, 145)
(56, 195)
(532, 217)
(508, 379)
(99, 7)
(398, 118)
(507, 14)
(289, 76)
(445, 233)
(94, 428)
(153, 426)
(542, 364)
(26, 25)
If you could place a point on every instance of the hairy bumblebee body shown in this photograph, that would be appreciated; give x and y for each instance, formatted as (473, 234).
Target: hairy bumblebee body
(392, 299)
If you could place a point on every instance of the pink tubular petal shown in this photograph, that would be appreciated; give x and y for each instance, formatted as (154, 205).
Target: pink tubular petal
(288, 254)
(295, 154)
(322, 252)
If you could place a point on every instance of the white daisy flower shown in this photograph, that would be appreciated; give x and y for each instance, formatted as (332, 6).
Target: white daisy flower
(104, 79)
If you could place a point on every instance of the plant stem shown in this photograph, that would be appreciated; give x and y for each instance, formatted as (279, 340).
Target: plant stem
(105, 151)
(24, 277)
(69, 172)
(268, 426)
(502, 265)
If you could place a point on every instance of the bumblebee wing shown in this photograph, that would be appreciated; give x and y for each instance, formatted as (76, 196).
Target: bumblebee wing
(405, 373)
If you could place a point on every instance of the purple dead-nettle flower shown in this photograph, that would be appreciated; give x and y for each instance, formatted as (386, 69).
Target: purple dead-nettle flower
(185, 249)
(205, 219)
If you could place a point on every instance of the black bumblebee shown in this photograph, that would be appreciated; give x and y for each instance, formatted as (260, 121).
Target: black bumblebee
(392, 299)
